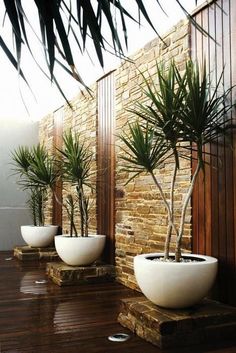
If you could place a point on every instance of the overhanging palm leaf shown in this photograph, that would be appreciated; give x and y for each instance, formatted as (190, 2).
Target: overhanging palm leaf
(82, 18)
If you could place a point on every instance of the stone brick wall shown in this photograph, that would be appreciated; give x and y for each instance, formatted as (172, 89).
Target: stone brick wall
(141, 221)
(81, 118)
(46, 127)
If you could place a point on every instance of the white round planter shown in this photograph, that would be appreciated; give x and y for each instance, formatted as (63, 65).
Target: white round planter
(175, 285)
(38, 236)
(78, 251)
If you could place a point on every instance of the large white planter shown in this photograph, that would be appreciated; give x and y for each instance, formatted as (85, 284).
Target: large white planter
(175, 285)
(78, 251)
(38, 236)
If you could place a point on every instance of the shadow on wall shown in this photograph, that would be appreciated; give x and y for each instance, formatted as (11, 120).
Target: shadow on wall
(13, 208)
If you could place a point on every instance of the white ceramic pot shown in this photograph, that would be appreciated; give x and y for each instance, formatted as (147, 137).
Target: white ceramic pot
(38, 236)
(78, 251)
(175, 284)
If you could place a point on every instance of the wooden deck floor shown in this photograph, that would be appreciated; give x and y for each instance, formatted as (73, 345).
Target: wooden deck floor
(48, 319)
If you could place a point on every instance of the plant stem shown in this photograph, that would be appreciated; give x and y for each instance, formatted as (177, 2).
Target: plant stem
(71, 226)
(40, 209)
(169, 230)
(72, 223)
(183, 213)
(170, 222)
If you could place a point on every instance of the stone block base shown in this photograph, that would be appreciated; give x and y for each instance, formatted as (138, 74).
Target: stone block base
(65, 275)
(207, 322)
(26, 253)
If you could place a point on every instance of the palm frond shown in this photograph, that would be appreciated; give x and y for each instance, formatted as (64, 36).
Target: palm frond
(144, 152)
(84, 19)
(205, 116)
(21, 160)
(165, 100)
(77, 159)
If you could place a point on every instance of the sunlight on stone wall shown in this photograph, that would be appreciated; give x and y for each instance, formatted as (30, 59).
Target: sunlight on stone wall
(141, 221)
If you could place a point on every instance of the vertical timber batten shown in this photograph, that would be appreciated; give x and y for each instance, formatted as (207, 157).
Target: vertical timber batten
(106, 162)
(57, 143)
(214, 197)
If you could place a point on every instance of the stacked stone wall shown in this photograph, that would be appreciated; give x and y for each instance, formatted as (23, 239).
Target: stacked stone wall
(141, 222)
(46, 128)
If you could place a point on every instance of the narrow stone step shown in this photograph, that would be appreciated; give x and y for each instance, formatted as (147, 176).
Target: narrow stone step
(207, 322)
(65, 275)
(26, 253)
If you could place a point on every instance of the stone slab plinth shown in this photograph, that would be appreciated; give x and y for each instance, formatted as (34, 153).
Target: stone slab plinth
(65, 275)
(26, 253)
(208, 322)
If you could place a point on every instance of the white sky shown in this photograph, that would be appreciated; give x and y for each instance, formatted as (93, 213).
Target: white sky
(48, 97)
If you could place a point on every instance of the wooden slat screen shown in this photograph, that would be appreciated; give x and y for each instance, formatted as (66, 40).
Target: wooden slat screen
(214, 198)
(106, 162)
(57, 142)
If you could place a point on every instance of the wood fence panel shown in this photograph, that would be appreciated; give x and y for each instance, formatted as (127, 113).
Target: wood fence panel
(57, 142)
(214, 198)
(106, 162)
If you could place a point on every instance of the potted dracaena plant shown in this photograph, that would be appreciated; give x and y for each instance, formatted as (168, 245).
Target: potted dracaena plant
(79, 247)
(182, 111)
(37, 175)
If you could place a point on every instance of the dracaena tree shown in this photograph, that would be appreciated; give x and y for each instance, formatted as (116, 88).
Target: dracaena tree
(76, 162)
(183, 111)
(38, 173)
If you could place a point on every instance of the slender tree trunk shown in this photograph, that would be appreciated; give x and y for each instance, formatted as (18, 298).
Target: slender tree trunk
(183, 214)
(72, 223)
(40, 210)
(170, 222)
(81, 214)
(86, 226)
(169, 230)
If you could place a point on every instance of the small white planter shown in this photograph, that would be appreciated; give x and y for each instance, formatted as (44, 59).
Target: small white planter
(38, 236)
(78, 251)
(175, 285)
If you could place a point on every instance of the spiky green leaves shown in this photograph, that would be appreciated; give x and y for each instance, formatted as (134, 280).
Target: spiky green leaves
(77, 160)
(165, 100)
(181, 107)
(145, 151)
(76, 163)
(21, 159)
(35, 166)
(66, 25)
(38, 173)
(204, 117)
(43, 170)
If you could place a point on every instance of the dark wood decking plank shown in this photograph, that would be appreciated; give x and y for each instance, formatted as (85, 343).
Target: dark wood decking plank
(74, 319)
